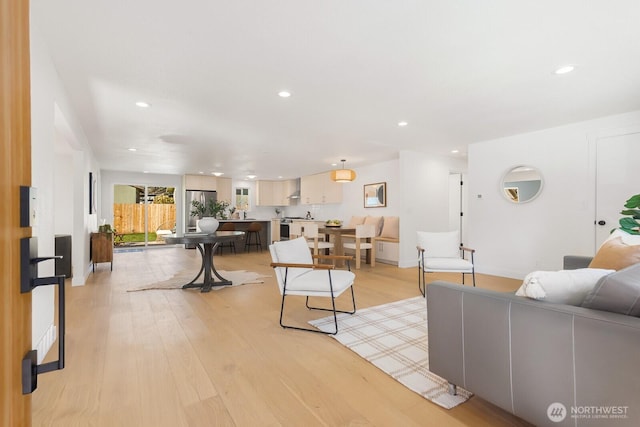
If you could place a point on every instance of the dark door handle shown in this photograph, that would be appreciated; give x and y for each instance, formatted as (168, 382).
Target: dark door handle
(602, 222)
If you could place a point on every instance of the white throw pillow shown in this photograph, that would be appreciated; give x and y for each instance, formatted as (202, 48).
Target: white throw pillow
(562, 287)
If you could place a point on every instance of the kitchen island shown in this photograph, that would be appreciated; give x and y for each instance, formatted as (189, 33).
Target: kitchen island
(243, 224)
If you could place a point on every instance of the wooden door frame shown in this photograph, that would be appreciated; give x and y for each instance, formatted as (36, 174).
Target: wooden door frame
(15, 171)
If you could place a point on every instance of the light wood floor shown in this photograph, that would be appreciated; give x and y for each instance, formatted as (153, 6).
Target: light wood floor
(183, 358)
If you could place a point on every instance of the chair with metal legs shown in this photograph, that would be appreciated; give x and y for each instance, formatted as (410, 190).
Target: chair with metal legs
(297, 275)
(442, 252)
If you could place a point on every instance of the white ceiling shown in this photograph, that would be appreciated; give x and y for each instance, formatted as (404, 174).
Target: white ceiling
(458, 71)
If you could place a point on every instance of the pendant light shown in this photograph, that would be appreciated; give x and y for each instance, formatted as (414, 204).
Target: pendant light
(343, 175)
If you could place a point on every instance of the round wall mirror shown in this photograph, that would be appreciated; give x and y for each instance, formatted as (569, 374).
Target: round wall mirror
(521, 184)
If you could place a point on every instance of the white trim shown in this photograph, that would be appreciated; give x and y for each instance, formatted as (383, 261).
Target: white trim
(46, 342)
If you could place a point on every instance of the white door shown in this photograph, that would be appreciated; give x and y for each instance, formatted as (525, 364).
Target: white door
(616, 179)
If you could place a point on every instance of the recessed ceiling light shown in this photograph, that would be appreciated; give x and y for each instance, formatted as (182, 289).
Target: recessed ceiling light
(251, 176)
(133, 149)
(218, 173)
(284, 94)
(201, 173)
(455, 151)
(402, 124)
(143, 104)
(565, 69)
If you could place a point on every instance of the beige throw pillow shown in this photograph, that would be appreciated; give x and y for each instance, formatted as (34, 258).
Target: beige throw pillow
(376, 221)
(614, 254)
(391, 227)
(356, 220)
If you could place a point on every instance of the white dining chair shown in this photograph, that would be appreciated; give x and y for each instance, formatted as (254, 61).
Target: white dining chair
(363, 232)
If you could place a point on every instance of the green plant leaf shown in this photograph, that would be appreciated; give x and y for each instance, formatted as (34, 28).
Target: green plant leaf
(629, 223)
(633, 202)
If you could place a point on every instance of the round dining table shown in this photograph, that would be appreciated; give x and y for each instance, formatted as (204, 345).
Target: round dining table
(207, 245)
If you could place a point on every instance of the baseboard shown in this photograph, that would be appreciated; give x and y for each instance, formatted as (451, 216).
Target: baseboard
(46, 342)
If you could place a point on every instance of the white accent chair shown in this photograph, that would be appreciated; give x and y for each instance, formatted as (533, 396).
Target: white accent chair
(296, 274)
(363, 232)
(310, 232)
(442, 252)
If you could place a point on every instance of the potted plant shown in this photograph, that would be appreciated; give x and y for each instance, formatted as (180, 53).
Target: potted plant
(629, 223)
(209, 213)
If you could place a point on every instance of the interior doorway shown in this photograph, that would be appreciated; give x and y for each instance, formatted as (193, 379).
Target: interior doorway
(616, 165)
(143, 215)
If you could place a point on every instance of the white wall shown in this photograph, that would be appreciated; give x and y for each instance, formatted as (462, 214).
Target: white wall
(512, 240)
(49, 108)
(424, 198)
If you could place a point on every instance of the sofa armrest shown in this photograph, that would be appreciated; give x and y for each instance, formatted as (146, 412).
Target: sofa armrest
(573, 262)
(522, 354)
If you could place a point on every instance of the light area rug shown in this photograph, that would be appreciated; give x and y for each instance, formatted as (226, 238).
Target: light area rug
(237, 277)
(393, 337)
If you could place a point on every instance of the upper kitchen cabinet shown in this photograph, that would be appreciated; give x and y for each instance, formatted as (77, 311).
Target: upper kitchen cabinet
(319, 189)
(224, 189)
(222, 186)
(200, 182)
(275, 193)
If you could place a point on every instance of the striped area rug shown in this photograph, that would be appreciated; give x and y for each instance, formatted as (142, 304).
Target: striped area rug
(393, 337)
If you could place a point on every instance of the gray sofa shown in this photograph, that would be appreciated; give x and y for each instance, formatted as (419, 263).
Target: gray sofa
(536, 359)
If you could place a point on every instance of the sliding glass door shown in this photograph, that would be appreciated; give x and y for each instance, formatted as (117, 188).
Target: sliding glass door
(143, 215)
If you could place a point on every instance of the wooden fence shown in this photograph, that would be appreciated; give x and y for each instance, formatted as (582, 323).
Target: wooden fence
(129, 218)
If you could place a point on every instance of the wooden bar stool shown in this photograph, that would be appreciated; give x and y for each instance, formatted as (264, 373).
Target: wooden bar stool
(253, 236)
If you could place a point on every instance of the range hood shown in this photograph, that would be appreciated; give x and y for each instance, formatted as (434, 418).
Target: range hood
(296, 193)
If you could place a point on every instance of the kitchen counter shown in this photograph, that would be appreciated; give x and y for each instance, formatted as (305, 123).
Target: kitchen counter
(243, 224)
(243, 220)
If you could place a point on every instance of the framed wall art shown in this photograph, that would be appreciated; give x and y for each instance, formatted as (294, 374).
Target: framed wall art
(93, 188)
(375, 195)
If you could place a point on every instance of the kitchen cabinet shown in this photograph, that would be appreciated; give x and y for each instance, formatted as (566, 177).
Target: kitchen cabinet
(200, 182)
(320, 189)
(223, 189)
(101, 248)
(222, 186)
(274, 193)
(275, 230)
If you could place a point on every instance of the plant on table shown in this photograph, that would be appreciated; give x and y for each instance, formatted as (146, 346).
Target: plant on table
(211, 208)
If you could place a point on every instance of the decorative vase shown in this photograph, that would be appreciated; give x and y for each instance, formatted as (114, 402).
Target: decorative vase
(208, 224)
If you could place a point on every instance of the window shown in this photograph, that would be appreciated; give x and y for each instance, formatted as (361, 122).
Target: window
(242, 199)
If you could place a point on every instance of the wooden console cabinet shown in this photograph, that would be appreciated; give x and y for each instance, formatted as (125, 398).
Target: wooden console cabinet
(101, 249)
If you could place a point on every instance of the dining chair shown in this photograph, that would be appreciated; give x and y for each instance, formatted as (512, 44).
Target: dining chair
(442, 252)
(310, 232)
(363, 232)
(297, 275)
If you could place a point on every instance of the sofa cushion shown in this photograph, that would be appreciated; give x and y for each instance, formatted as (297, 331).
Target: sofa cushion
(355, 220)
(618, 292)
(391, 227)
(562, 287)
(376, 221)
(619, 251)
